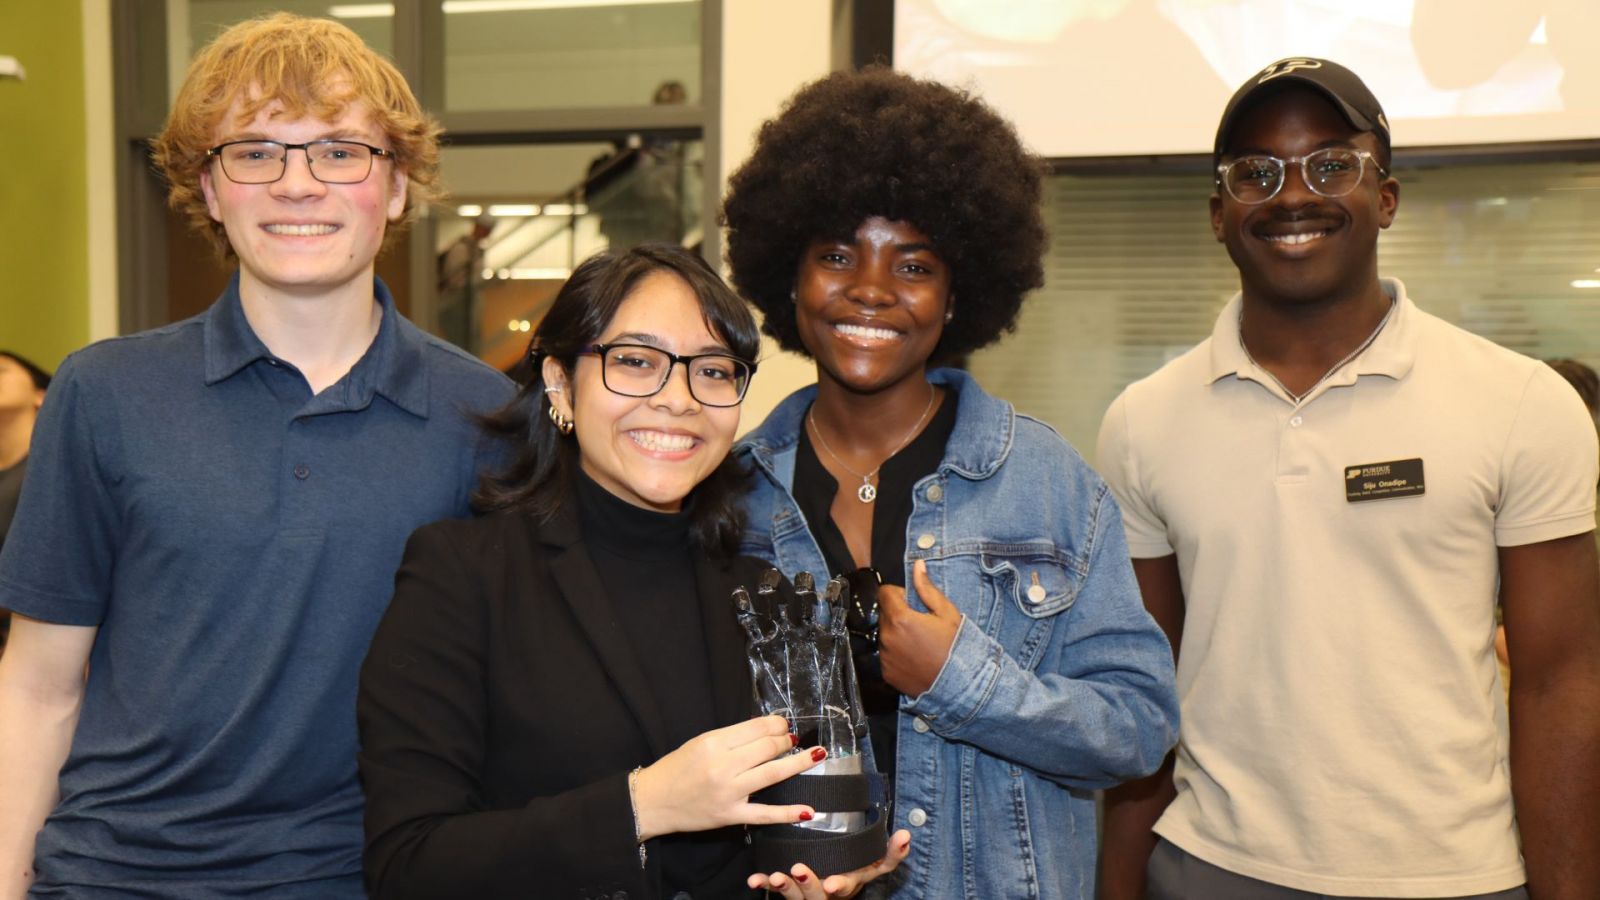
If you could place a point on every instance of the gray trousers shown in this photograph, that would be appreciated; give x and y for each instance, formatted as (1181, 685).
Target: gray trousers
(1175, 875)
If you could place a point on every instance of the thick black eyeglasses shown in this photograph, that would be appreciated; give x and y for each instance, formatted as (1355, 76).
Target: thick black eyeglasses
(263, 162)
(640, 370)
(1332, 172)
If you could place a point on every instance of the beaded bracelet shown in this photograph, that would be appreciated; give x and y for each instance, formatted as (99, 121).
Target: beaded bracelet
(633, 804)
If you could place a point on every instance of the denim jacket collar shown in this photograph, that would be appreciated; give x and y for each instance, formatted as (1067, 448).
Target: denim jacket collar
(977, 447)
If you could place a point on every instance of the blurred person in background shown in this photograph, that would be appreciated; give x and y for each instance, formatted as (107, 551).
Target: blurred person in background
(22, 387)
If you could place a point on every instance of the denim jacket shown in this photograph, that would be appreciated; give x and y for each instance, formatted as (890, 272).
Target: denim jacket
(1058, 683)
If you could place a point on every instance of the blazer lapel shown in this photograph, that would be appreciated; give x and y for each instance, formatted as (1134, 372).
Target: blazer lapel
(580, 587)
(731, 690)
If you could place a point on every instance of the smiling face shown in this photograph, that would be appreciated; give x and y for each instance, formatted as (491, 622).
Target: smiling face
(1300, 247)
(298, 235)
(649, 451)
(871, 309)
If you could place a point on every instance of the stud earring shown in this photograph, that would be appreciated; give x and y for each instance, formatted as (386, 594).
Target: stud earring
(563, 424)
(948, 315)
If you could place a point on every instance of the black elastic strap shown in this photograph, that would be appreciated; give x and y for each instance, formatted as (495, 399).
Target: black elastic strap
(775, 848)
(823, 793)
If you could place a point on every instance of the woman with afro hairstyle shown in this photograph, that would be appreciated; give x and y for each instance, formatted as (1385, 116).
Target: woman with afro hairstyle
(885, 225)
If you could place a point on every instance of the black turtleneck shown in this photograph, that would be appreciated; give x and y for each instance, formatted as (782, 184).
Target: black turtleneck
(646, 564)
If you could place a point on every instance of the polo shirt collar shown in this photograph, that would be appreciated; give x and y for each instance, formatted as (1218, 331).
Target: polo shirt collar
(1391, 354)
(391, 367)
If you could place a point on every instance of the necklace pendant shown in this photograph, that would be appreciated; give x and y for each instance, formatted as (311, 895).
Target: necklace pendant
(866, 493)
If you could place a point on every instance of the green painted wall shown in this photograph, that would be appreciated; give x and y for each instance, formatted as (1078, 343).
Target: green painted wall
(44, 235)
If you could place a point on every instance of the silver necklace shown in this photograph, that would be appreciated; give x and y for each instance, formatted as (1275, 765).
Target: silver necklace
(866, 493)
(1336, 366)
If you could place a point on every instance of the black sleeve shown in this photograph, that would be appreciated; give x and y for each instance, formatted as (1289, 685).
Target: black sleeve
(423, 717)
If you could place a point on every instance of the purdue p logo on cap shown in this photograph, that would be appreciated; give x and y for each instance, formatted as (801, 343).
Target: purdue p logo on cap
(1285, 66)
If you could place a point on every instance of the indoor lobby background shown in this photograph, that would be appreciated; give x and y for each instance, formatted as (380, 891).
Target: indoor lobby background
(571, 123)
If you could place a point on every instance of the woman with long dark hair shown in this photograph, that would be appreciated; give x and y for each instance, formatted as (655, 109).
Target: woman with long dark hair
(557, 702)
(885, 226)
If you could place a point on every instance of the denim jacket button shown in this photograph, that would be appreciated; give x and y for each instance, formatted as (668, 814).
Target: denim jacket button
(919, 725)
(935, 493)
(917, 818)
(926, 541)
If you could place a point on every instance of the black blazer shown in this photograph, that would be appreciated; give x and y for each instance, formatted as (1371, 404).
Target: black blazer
(501, 708)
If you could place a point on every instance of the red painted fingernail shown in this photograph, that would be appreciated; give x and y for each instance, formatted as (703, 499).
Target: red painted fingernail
(805, 816)
(794, 739)
(818, 754)
(801, 878)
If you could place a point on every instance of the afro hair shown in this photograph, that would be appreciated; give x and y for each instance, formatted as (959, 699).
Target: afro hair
(855, 145)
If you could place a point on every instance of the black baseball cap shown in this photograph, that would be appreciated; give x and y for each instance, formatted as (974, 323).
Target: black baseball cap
(1343, 88)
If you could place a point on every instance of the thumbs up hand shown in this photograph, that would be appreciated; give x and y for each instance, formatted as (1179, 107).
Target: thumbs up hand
(913, 645)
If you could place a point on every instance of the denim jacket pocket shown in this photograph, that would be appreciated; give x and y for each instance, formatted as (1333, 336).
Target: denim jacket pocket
(1037, 584)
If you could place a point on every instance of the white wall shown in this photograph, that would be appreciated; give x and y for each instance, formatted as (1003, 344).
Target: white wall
(769, 49)
(100, 140)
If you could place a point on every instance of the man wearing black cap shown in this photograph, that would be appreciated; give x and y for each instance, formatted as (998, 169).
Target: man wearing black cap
(1325, 500)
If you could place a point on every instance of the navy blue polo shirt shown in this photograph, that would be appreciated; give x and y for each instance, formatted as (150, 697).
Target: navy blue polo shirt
(235, 538)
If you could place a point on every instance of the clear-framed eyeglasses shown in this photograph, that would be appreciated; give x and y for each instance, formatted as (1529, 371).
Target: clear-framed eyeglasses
(640, 370)
(1331, 172)
(263, 162)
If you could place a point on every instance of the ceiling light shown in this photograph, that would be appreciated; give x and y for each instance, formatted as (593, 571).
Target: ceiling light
(470, 211)
(1586, 283)
(514, 209)
(361, 10)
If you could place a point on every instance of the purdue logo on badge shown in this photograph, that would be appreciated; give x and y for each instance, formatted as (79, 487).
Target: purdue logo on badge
(1384, 480)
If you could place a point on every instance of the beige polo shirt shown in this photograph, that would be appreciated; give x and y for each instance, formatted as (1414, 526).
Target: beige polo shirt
(1343, 732)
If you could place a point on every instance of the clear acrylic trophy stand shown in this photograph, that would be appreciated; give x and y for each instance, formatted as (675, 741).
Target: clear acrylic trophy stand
(799, 656)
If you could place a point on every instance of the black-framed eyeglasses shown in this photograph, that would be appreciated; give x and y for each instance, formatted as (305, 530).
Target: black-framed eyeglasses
(640, 370)
(1331, 172)
(263, 162)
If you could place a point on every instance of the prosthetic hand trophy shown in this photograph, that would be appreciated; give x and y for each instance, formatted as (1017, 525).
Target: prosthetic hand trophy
(799, 655)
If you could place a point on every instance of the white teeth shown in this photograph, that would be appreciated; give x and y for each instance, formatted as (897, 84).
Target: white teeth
(302, 230)
(1306, 238)
(655, 440)
(862, 331)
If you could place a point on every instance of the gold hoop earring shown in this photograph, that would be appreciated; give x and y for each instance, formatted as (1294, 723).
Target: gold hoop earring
(562, 423)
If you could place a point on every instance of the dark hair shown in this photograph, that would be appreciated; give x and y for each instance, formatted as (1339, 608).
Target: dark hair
(1582, 378)
(855, 145)
(536, 480)
(41, 378)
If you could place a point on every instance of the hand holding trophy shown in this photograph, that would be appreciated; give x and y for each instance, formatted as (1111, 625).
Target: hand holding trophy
(800, 661)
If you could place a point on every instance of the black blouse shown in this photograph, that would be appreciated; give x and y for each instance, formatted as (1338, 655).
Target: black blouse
(814, 491)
